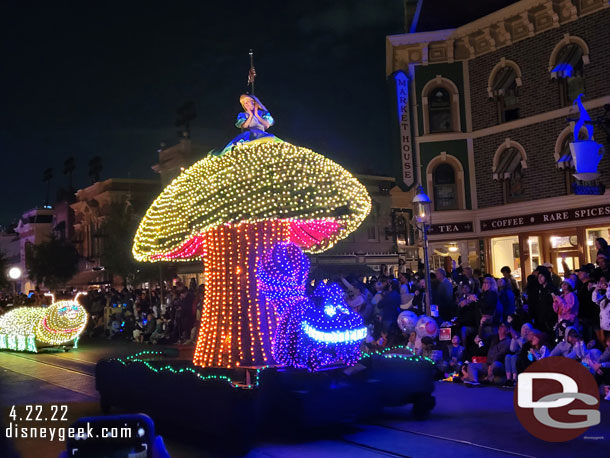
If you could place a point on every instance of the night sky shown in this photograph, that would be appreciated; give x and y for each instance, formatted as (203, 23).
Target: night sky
(106, 80)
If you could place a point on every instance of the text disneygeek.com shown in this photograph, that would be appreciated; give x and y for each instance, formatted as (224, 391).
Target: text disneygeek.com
(61, 433)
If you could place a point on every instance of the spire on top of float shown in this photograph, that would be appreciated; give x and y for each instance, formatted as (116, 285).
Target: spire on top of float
(251, 72)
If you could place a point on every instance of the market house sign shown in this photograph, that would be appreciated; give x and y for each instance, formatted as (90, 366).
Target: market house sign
(404, 123)
(573, 214)
(451, 228)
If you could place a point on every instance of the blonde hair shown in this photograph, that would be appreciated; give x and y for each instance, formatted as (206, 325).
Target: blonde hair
(493, 285)
(255, 99)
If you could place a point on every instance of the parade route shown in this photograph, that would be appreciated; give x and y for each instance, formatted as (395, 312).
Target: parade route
(478, 422)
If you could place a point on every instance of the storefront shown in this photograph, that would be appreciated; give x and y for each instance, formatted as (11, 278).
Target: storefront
(523, 236)
(560, 237)
(456, 241)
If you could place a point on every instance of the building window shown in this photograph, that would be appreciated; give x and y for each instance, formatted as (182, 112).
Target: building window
(565, 162)
(505, 252)
(440, 106)
(372, 233)
(592, 235)
(563, 154)
(509, 165)
(506, 94)
(374, 222)
(513, 186)
(569, 72)
(439, 109)
(445, 188)
(445, 182)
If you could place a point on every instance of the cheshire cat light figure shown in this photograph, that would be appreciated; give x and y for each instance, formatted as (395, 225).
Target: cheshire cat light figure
(32, 328)
(331, 331)
(228, 211)
(311, 332)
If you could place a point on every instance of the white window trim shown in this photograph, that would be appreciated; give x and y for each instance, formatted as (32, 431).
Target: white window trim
(566, 40)
(447, 84)
(565, 133)
(459, 178)
(508, 143)
(499, 66)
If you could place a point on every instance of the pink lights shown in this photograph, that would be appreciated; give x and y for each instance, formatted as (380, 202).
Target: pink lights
(309, 233)
(304, 233)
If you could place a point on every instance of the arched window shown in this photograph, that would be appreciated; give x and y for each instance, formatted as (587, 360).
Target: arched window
(506, 94)
(445, 188)
(513, 186)
(563, 155)
(503, 87)
(509, 164)
(567, 66)
(440, 106)
(439, 110)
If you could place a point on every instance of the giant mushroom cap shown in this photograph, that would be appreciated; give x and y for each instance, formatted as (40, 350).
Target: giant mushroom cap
(320, 200)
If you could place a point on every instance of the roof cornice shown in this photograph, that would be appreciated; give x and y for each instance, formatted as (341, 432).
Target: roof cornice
(504, 27)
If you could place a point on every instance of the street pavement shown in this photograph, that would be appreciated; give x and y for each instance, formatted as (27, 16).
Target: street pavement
(472, 422)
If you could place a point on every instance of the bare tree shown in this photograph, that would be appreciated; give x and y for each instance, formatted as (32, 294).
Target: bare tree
(95, 168)
(69, 166)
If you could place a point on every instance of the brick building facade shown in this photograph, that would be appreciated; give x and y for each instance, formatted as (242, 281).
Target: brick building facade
(493, 116)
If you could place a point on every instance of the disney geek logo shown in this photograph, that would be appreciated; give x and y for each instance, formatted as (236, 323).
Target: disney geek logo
(557, 399)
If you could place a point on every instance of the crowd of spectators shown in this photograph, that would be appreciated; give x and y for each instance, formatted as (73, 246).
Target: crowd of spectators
(135, 314)
(146, 315)
(497, 328)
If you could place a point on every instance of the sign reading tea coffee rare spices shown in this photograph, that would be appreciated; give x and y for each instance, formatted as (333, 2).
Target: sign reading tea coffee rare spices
(572, 214)
(404, 122)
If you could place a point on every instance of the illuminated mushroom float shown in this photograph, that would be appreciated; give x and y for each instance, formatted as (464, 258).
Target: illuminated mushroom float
(229, 210)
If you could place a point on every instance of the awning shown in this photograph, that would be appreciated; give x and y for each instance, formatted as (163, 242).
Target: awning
(334, 270)
(503, 81)
(508, 164)
(568, 59)
(565, 161)
(87, 278)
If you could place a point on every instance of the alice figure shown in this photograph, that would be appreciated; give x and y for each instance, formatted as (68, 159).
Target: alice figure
(253, 122)
(255, 119)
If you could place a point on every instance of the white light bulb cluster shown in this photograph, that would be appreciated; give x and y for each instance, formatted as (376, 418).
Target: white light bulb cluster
(22, 328)
(252, 183)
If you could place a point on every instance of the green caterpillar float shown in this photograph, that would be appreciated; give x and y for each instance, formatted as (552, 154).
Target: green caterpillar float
(31, 328)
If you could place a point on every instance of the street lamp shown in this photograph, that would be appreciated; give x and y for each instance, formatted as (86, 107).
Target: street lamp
(15, 274)
(423, 208)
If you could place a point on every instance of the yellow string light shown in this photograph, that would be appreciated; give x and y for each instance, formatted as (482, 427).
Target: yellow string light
(228, 210)
(24, 327)
(251, 183)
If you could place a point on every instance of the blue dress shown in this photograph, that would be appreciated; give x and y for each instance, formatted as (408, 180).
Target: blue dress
(254, 131)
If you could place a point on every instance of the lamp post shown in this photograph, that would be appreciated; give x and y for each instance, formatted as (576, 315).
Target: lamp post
(15, 274)
(422, 208)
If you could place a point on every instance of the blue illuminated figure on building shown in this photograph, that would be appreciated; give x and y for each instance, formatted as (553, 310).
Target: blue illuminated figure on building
(586, 154)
